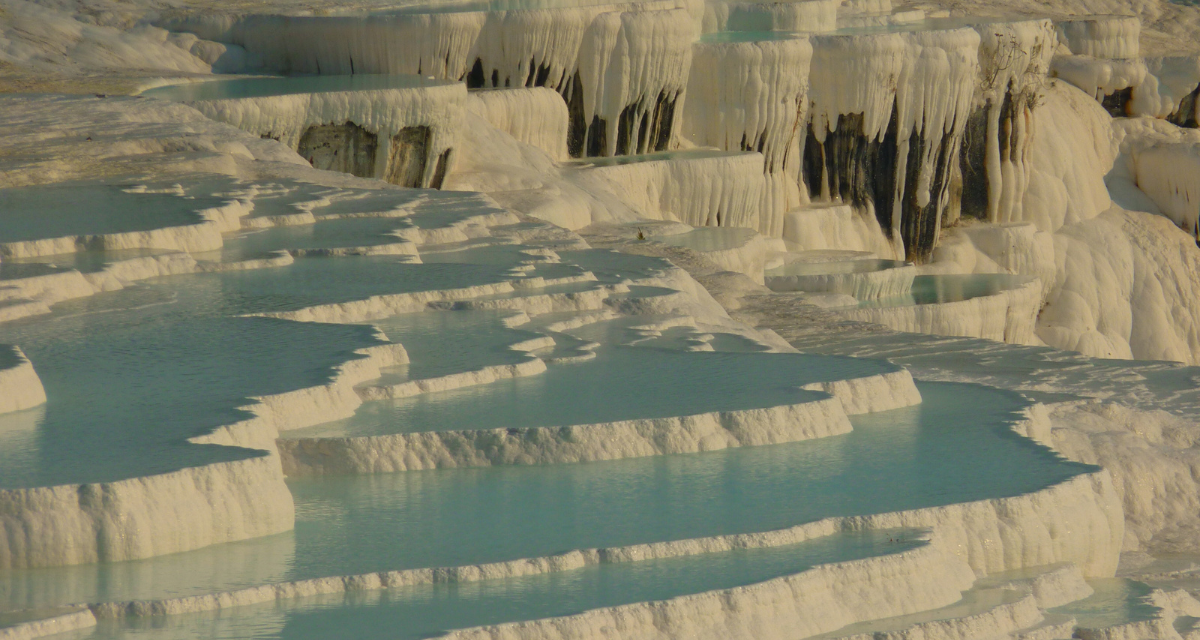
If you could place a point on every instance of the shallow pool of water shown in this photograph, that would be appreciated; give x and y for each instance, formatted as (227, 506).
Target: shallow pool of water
(421, 611)
(1115, 601)
(834, 267)
(441, 343)
(323, 235)
(709, 238)
(954, 448)
(621, 383)
(114, 364)
(950, 288)
(83, 209)
(265, 86)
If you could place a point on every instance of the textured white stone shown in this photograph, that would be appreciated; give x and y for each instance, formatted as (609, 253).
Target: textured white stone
(20, 387)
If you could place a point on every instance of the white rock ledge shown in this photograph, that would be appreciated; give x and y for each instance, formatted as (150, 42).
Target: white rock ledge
(1080, 512)
(1009, 316)
(193, 238)
(821, 599)
(185, 509)
(63, 623)
(578, 443)
(20, 387)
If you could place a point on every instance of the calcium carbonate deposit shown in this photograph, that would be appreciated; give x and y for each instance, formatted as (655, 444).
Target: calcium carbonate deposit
(582, 319)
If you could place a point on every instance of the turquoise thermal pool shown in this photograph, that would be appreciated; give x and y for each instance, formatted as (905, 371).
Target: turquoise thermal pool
(266, 86)
(1115, 601)
(90, 209)
(710, 238)
(181, 332)
(421, 611)
(834, 267)
(955, 447)
(940, 289)
(651, 383)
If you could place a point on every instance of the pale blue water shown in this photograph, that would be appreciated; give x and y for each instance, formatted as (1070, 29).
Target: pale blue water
(88, 261)
(950, 288)
(956, 447)
(441, 343)
(81, 209)
(259, 87)
(611, 267)
(18, 270)
(1115, 601)
(834, 267)
(364, 202)
(113, 369)
(621, 383)
(113, 365)
(324, 234)
(289, 199)
(709, 238)
(422, 611)
(8, 357)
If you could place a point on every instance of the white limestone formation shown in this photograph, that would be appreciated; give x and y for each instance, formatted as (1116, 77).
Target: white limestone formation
(82, 618)
(821, 599)
(1110, 37)
(825, 226)
(407, 134)
(605, 441)
(1016, 248)
(884, 283)
(204, 235)
(143, 517)
(1014, 58)
(696, 188)
(1008, 316)
(621, 72)
(537, 116)
(812, 16)
(902, 122)
(1169, 173)
(20, 387)
(946, 146)
(753, 96)
(1073, 148)
(740, 250)
(577, 443)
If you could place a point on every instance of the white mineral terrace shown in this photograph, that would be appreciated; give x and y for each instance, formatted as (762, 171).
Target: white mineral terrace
(574, 319)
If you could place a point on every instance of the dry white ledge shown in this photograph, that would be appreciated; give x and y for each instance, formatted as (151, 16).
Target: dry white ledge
(821, 599)
(201, 236)
(20, 387)
(578, 443)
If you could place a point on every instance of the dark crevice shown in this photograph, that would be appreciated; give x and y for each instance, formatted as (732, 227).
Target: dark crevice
(408, 156)
(1117, 103)
(475, 78)
(1185, 115)
(347, 148)
(440, 169)
(862, 171)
